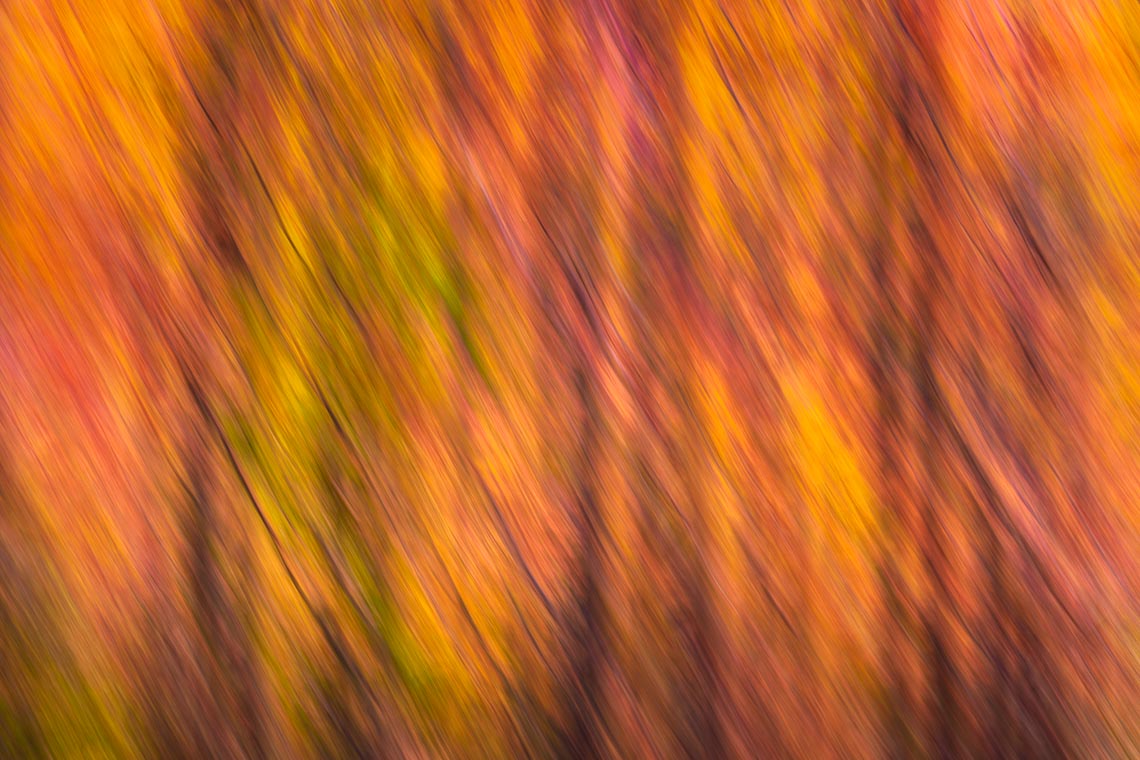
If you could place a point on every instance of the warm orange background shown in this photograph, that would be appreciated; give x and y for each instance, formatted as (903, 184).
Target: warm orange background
(604, 378)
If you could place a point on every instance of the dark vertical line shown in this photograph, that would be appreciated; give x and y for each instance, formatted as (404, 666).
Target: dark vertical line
(586, 633)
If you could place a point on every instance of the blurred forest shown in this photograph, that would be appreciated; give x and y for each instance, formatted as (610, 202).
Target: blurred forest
(608, 378)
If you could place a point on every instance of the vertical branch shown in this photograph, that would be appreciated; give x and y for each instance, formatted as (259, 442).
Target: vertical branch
(586, 634)
(664, 248)
(904, 269)
(21, 734)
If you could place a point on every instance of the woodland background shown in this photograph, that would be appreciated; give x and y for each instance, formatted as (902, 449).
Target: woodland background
(599, 378)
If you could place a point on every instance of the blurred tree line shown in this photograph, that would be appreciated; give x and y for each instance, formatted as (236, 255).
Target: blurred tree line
(614, 378)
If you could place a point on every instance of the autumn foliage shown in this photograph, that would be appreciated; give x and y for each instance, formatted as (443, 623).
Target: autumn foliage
(608, 378)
